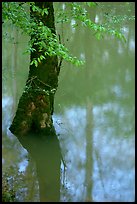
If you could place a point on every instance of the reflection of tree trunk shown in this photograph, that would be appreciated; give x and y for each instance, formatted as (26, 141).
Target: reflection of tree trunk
(89, 125)
(29, 176)
(35, 107)
(14, 66)
(45, 151)
(89, 151)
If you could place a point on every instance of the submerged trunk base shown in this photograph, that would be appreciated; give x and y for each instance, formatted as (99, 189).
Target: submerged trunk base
(33, 113)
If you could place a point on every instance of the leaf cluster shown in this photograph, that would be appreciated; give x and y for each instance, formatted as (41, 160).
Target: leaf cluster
(45, 42)
(78, 12)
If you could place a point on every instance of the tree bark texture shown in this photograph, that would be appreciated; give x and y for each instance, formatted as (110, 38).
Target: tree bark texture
(35, 108)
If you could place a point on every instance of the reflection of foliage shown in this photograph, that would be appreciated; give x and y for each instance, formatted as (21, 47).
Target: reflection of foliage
(19, 186)
(8, 185)
(8, 194)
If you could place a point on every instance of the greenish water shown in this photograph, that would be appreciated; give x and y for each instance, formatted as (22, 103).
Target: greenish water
(93, 117)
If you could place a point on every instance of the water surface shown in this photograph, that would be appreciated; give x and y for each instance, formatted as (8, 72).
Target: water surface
(93, 117)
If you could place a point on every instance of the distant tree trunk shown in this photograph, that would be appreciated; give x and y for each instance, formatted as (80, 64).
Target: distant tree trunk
(35, 108)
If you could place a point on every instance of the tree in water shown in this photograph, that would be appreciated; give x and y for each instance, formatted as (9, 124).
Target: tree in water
(35, 107)
(36, 104)
(34, 114)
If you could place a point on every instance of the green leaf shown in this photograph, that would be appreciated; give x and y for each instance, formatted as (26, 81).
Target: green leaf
(91, 4)
(42, 57)
(39, 59)
(44, 11)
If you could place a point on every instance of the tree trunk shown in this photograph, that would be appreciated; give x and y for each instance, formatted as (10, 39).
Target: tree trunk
(34, 115)
(35, 108)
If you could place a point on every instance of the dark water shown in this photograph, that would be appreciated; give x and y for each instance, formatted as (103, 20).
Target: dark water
(94, 118)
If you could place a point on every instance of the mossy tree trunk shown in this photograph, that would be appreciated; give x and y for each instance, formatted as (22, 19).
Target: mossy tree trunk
(35, 108)
(33, 123)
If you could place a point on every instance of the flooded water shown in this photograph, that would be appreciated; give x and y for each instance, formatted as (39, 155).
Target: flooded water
(93, 118)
